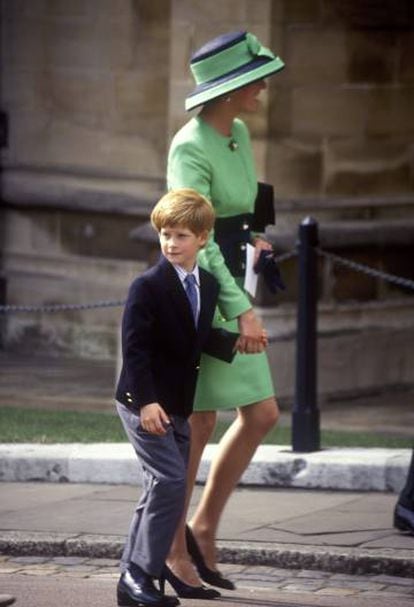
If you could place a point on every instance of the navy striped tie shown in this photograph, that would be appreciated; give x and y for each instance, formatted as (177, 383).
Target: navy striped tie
(191, 290)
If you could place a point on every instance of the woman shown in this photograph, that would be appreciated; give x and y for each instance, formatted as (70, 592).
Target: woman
(212, 153)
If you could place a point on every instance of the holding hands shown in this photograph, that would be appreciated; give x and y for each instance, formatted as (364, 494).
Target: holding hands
(253, 338)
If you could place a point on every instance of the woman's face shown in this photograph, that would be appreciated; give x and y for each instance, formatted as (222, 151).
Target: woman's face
(246, 98)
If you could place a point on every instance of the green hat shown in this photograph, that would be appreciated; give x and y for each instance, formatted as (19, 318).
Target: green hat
(227, 63)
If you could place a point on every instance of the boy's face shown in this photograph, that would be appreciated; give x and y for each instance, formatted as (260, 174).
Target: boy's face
(180, 245)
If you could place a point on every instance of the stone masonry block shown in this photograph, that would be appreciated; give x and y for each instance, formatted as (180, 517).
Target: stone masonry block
(180, 57)
(177, 114)
(298, 12)
(295, 166)
(374, 150)
(358, 166)
(214, 11)
(359, 181)
(60, 143)
(262, 12)
(280, 107)
(383, 14)
(136, 155)
(140, 102)
(83, 97)
(390, 111)
(76, 8)
(22, 89)
(329, 111)
(23, 40)
(315, 56)
(77, 44)
(371, 56)
(406, 63)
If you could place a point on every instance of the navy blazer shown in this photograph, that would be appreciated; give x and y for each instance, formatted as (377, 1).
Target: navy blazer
(161, 345)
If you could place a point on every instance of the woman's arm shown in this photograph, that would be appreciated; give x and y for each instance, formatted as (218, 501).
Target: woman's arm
(188, 167)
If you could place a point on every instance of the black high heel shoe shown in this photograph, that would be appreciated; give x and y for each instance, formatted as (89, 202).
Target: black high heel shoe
(185, 591)
(210, 576)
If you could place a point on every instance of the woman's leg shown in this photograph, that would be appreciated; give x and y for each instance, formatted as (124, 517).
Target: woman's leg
(202, 426)
(236, 450)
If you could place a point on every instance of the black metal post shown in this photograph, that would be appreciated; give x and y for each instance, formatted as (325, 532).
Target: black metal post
(305, 417)
(3, 317)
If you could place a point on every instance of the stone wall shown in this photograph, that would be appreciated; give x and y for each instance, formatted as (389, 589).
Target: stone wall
(97, 88)
(85, 85)
(341, 114)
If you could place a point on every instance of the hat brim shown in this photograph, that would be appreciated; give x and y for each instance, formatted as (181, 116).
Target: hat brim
(212, 90)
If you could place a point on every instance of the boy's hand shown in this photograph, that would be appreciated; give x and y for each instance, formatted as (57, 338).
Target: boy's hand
(154, 419)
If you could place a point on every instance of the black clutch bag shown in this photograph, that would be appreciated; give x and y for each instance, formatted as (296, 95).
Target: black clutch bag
(264, 208)
(268, 268)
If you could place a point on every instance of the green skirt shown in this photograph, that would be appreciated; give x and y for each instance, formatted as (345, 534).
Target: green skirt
(221, 385)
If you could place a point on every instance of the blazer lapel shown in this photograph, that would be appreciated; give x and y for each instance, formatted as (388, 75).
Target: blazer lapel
(178, 296)
(207, 305)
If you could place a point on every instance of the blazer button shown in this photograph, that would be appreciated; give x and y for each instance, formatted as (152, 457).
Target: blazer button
(128, 393)
(197, 367)
(246, 226)
(129, 400)
(242, 247)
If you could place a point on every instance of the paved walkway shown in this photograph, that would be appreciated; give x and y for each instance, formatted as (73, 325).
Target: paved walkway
(257, 586)
(337, 531)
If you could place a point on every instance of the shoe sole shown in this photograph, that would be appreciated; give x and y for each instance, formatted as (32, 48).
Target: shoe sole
(124, 600)
(401, 526)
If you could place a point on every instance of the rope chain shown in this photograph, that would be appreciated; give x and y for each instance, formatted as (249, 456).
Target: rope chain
(359, 267)
(353, 265)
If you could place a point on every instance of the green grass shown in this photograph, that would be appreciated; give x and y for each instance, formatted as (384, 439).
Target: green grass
(40, 426)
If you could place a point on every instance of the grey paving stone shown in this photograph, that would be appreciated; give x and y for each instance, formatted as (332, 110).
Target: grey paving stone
(300, 585)
(393, 579)
(29, 560)
(359, 584)
(103, 562)
(69, 560)
(400, 589)
(309, 573)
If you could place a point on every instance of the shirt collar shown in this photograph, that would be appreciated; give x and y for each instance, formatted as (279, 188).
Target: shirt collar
(183, 273)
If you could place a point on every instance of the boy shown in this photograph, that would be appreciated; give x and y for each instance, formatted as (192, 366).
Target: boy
(166, 325)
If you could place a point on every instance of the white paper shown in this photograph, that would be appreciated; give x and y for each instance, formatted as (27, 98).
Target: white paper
(250, 278)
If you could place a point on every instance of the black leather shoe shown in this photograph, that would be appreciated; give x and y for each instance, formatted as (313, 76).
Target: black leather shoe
(210, 576)
(404, 519)
(137, 590)
(185, 591)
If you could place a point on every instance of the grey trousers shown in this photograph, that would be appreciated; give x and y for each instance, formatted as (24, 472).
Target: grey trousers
(164, 461)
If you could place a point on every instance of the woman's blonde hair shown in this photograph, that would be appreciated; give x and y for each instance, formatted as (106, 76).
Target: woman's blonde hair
(183, 207)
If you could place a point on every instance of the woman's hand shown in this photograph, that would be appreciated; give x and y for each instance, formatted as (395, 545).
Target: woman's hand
(251, 333)
(239, 345)
(260, 245)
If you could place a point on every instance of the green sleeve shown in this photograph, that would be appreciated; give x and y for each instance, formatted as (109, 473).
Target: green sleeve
(188, 167)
